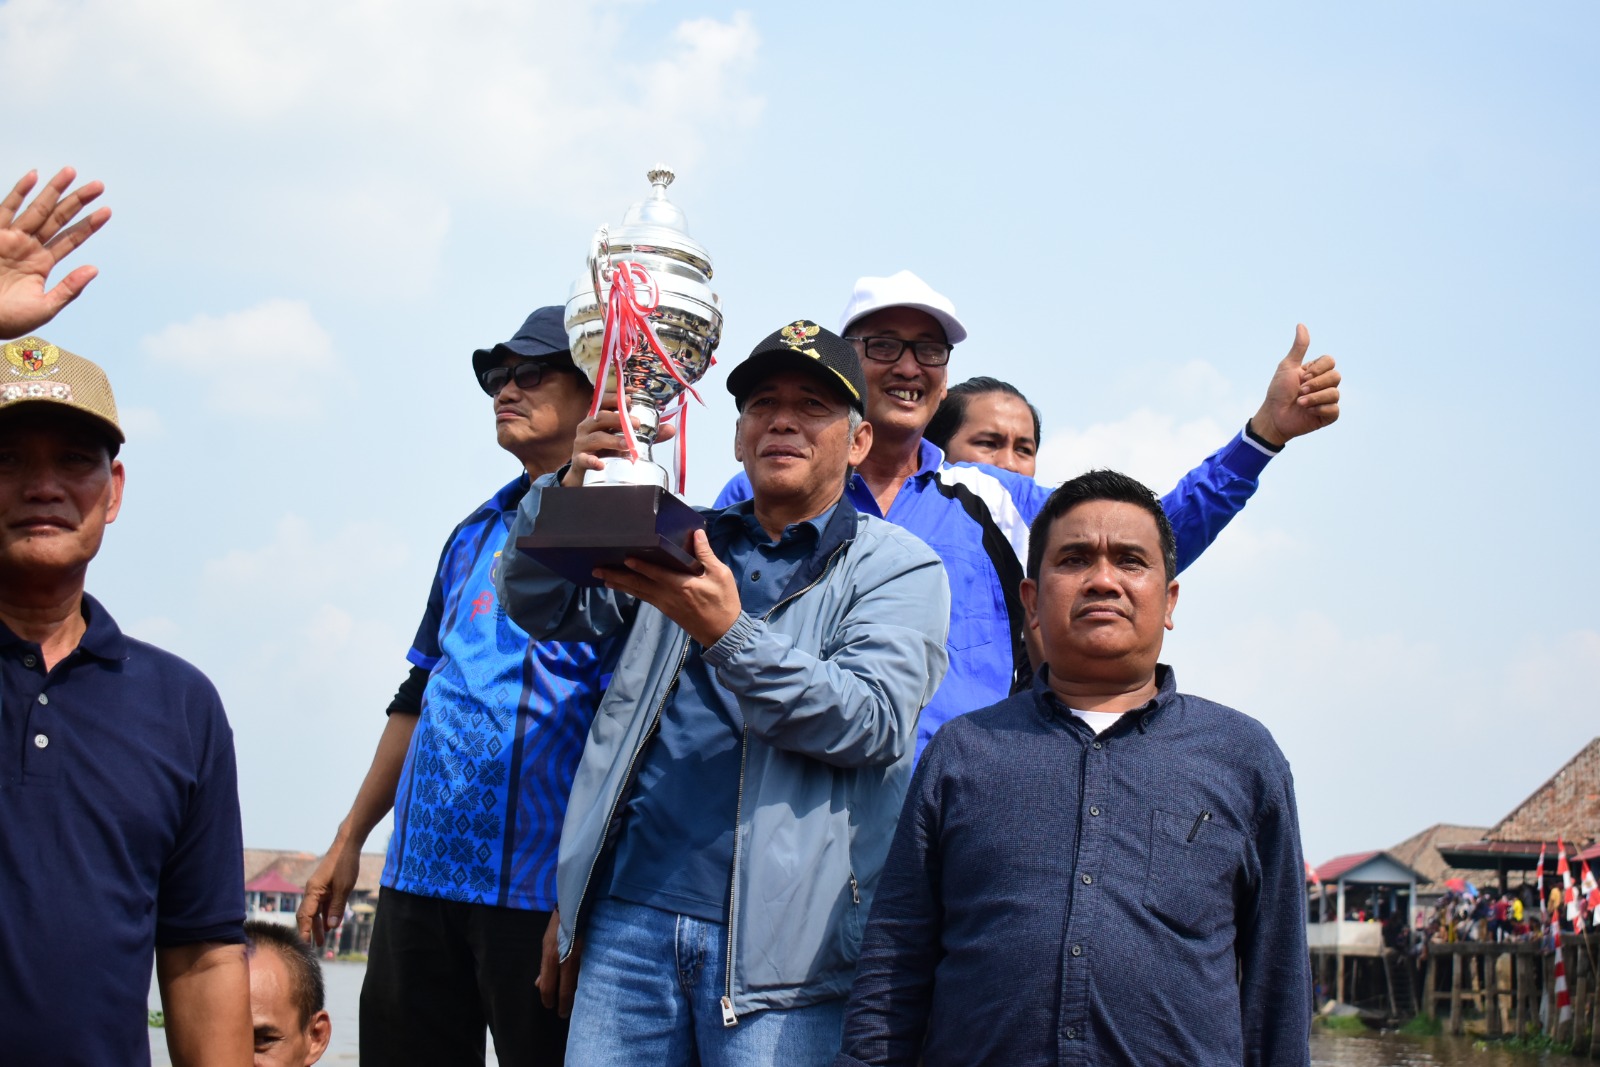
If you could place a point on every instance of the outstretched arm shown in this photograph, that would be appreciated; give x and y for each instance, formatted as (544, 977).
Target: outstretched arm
(34, 239)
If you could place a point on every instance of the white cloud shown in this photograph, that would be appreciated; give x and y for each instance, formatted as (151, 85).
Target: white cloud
(272, 360)
(1154, 447)
(350, 134)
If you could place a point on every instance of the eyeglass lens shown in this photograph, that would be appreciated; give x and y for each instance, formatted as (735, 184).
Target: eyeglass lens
(888, 349)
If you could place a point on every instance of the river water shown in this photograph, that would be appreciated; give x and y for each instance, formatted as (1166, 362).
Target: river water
(1327, 1050)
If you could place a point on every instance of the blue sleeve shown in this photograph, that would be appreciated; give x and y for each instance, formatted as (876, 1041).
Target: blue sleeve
(1208, 497)
(201, 892)
(886, 1019)
(1274, 968)
(545, 605)
(425, 651)
(737, 489)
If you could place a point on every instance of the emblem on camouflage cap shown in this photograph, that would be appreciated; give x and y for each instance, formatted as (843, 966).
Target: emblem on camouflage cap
(32, 357)
(799, 333)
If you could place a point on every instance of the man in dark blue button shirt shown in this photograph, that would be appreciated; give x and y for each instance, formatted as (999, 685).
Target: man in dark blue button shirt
(119, 812)
(1102, 870)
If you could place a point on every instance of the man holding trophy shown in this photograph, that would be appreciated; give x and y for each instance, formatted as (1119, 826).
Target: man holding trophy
(734, 803)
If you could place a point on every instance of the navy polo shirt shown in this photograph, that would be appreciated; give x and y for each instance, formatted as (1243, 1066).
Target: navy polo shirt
(119, 831)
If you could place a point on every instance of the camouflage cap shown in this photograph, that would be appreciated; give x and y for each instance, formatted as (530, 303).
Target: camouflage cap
(36, 371)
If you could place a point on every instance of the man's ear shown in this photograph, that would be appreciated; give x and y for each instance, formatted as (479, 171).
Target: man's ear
(1029, 589)
(119, 479)
(1172, 602)
(738, 446)
(861, 444)
(318, 1034)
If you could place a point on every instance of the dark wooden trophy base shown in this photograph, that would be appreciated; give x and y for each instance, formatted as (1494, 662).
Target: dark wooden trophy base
(600, 525)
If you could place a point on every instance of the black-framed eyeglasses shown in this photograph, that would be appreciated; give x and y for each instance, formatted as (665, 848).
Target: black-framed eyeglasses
(527, 376)
(889, 349)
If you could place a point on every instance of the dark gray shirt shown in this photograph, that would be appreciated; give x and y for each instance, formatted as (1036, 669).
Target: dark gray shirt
(1053, 897)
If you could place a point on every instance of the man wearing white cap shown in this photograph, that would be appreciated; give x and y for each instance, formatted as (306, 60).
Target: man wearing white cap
(976, 517)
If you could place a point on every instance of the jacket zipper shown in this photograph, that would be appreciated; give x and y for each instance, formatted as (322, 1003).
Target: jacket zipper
(729, 1018)
(633, 763)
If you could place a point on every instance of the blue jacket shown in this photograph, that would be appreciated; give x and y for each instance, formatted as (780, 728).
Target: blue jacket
(1057, 897)
(829, 683)
(976, 517)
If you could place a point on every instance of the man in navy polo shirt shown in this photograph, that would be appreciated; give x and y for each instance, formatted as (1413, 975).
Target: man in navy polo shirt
(119, 812)
(476, 759)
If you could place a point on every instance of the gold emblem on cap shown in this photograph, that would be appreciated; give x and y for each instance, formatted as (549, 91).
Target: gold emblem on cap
(799, 333)
(32, 357)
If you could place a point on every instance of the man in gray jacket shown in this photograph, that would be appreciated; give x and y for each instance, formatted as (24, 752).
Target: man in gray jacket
(736, 797)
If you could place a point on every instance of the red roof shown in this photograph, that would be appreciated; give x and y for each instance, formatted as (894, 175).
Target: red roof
(1330, 871)
(271, 882)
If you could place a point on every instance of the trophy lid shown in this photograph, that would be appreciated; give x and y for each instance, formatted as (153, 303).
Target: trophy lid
(657, 224)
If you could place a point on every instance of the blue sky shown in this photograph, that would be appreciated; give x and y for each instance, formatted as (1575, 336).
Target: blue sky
(320, 210)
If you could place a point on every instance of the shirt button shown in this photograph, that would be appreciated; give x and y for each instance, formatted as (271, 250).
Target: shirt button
(1088, 879)
(1077, 950)
(1072, 1033)
(43, 699)
(1098, 745)
(755, 576)
(41, 741)
(1094, 811)
(29, 660)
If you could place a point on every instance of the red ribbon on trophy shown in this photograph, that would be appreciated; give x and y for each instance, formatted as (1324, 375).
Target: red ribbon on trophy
(634, 296)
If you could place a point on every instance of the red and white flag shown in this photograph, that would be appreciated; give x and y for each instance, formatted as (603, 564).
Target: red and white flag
(1541, 875)
(1563, 998)
(1569, 892)
(1591, 895)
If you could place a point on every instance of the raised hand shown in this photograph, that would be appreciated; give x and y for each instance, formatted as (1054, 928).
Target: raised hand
(34, 239)
(1301, 397)
(600, 435)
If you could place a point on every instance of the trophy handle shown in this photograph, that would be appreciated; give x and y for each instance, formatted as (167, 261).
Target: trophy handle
(600, 252)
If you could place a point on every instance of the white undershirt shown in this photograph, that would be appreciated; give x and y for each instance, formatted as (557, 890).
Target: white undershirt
(1099, 721)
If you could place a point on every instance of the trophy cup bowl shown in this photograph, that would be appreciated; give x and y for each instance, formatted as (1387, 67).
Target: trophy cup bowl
(625, 508)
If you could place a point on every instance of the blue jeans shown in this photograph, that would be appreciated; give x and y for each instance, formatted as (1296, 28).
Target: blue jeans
(650, 991)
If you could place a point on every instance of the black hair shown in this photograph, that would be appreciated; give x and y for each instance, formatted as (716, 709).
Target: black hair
(1100, 485)
(299, 959)
(952, 413)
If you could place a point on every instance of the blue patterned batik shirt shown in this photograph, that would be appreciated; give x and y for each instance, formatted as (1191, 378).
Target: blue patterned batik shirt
(478, 811)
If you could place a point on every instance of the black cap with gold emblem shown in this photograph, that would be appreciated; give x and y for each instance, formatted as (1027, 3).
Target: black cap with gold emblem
(804, 346)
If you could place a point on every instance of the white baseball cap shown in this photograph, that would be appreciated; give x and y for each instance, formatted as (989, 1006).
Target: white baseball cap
(901, 290)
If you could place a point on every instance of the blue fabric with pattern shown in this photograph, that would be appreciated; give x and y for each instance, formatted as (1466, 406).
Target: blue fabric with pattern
(483, 791)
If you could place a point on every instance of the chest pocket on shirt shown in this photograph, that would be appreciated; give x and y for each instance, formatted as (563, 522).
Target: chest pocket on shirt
(977, 608)
(1190, 884)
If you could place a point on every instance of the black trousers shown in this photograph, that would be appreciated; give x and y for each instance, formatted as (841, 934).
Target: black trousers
(439, 972)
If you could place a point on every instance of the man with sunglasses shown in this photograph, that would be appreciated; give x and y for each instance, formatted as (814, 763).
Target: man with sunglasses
(976, 516)
(477, 758)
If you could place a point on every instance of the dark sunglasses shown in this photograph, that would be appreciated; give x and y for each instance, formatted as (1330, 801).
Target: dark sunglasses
(527, 376)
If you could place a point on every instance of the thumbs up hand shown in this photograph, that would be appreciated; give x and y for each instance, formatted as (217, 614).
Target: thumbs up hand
(1301, 397)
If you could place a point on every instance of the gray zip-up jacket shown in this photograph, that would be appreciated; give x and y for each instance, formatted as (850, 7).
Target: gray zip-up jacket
(829, 684)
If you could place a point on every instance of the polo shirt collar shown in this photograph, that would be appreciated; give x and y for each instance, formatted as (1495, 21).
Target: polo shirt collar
(741, 518)
(102, 637)
(510, 494)
(1166, 693)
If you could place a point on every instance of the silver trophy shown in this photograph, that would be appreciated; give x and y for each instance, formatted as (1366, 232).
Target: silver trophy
(643, 324)
(667, 275)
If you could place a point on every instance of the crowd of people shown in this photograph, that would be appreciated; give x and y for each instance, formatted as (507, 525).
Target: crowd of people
(894, 776)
